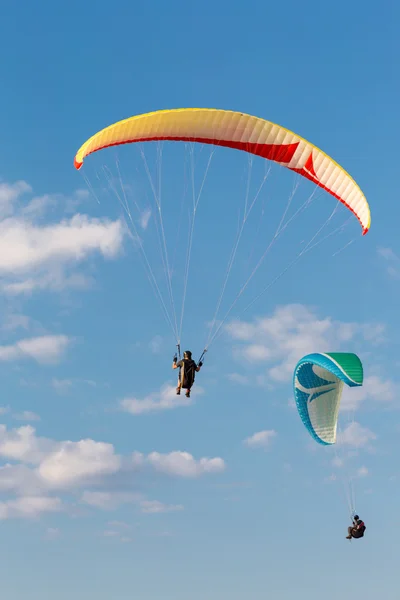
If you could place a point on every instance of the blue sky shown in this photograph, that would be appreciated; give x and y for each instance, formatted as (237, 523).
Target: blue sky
(111, 485)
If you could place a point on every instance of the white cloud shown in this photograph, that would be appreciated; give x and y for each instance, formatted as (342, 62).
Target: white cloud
(374, 388)
(25, 246)
(179, 463)
(38, 206)
(90, 469)
(121, 524)
(34, 255)
(26, 415)
(154, 506)
(9, 194)
(256, 352)
(392, 262)
(112, 500)
(45, 349)
(73, 462)
(155, 344)
(21, 480)
(61, 385)
(145, 218)
(356, 436)
(111, 533)
(108, 500)
(280, 340)
(56, 280)
(387, 253)
(261, 438)
(52, 533)
(16, 321)
(165, 399)
(379, 389)
(29, 507)
(23, 445)
(362, 472)
(238, 378)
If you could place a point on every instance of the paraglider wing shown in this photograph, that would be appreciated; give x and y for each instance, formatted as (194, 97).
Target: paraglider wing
(318, 384)
(242, 132)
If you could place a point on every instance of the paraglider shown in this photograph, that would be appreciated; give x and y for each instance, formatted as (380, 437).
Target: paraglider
(356, 530)
(318, 378)
(318, 382)
(241, 132)
(187, 372)
(235, 130)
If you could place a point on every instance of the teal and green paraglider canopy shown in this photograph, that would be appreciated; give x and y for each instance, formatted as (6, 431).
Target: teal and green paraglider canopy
(318, 384)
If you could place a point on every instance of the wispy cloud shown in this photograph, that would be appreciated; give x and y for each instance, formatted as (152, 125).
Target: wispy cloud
(156, 507)
(14, 321)
(109, 500)
(118, 524)
(165, 399)
(26, 415)
(374, 388)
(238, 378)
(155, 344)
(118, 531)
(29, 506)
(52, 533)
(387, 253)
(56, 280)
(261, 439)
(362, 472)
(45, 349)
(145, 218)
(181, 464)
(392, 264)
(10, 193)
(356, 436)
(61, 385)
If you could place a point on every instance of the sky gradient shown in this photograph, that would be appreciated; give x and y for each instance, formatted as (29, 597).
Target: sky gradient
(110, 484)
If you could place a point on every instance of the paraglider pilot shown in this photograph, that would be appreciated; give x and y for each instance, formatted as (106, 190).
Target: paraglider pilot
(187, 372)
(357, 529)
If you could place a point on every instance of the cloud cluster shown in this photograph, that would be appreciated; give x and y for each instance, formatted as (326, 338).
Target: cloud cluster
(41, 473)
(274, 344)
(36, 255)
(281, 339)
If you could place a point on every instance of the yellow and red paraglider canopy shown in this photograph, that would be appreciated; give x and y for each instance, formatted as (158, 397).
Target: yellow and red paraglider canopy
(242, 132)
